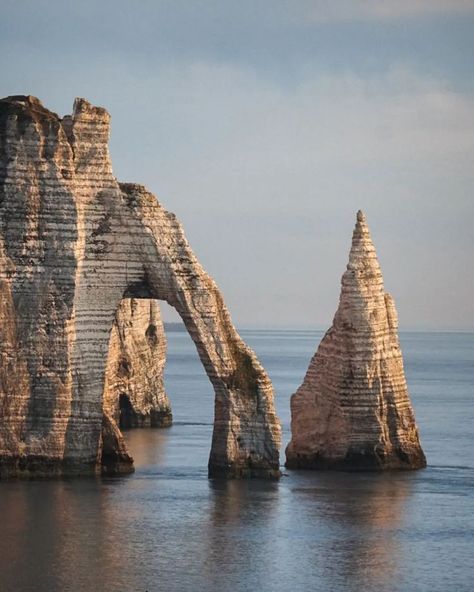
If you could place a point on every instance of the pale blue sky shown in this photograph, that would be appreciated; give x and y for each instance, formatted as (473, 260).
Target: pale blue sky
(265, 125)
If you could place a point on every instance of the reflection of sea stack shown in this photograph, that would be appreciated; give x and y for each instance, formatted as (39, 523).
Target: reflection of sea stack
(353, 410)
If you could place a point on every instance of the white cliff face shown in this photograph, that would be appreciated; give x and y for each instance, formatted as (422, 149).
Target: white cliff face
(73, 243)
(353, 409)
(134, 391)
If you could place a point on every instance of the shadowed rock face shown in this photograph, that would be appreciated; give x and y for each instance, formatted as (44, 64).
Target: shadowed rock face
(134, 391)
(73, 243)
(352, 411)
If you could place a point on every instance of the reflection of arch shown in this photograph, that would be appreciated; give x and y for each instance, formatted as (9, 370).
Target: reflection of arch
(100, 242)
(238, 511)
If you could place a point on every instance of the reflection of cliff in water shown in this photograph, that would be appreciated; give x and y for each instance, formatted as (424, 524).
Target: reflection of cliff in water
(72, 544)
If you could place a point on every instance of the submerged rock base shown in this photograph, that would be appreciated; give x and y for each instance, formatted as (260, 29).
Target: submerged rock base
(356, 461)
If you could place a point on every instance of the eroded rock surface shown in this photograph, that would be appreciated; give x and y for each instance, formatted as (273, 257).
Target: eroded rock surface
(73, 243)
(353, 410)
(134, 391)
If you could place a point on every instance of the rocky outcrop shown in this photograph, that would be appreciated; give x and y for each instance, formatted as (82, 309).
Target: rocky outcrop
(73, 243)
(352, 411)
(134, 391)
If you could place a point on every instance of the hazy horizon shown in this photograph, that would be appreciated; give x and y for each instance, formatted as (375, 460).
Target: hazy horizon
(265, 126)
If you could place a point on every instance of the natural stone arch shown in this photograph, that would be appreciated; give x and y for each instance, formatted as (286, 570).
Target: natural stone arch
(94, 243)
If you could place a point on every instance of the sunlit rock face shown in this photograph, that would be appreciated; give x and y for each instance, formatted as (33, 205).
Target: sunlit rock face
(353, 411)
(74, 243)
(134, 391)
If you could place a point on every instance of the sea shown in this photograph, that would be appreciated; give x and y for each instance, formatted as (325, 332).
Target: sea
(167, 527)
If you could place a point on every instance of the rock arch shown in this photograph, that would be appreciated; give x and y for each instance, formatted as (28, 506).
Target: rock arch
(73, 243)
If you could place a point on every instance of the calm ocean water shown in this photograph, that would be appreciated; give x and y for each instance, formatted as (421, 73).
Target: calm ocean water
(167, 527)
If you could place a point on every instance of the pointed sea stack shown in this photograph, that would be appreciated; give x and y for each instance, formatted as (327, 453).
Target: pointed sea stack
(353, 411)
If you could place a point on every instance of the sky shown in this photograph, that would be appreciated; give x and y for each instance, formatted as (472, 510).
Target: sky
(266, 124)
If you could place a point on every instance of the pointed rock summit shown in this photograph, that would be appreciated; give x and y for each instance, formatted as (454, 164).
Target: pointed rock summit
(353, 411)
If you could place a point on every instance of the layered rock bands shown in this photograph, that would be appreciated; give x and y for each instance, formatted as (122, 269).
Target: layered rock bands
(353, 411)
(134, 391)
(73, 244)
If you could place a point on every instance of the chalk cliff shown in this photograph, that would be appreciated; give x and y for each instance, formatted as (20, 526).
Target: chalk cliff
(74, 243)
(134, 391)
(353, 410)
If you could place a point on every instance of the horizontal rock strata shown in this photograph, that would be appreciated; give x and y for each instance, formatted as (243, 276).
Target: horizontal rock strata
(134, 391)
(353, 411)
(73, 243)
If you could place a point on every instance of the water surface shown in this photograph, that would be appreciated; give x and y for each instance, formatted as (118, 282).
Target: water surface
(168, 527)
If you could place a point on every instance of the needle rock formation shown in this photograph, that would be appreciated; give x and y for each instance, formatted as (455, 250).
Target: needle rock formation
(134, 391)
(73, 244)
(352, 411)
